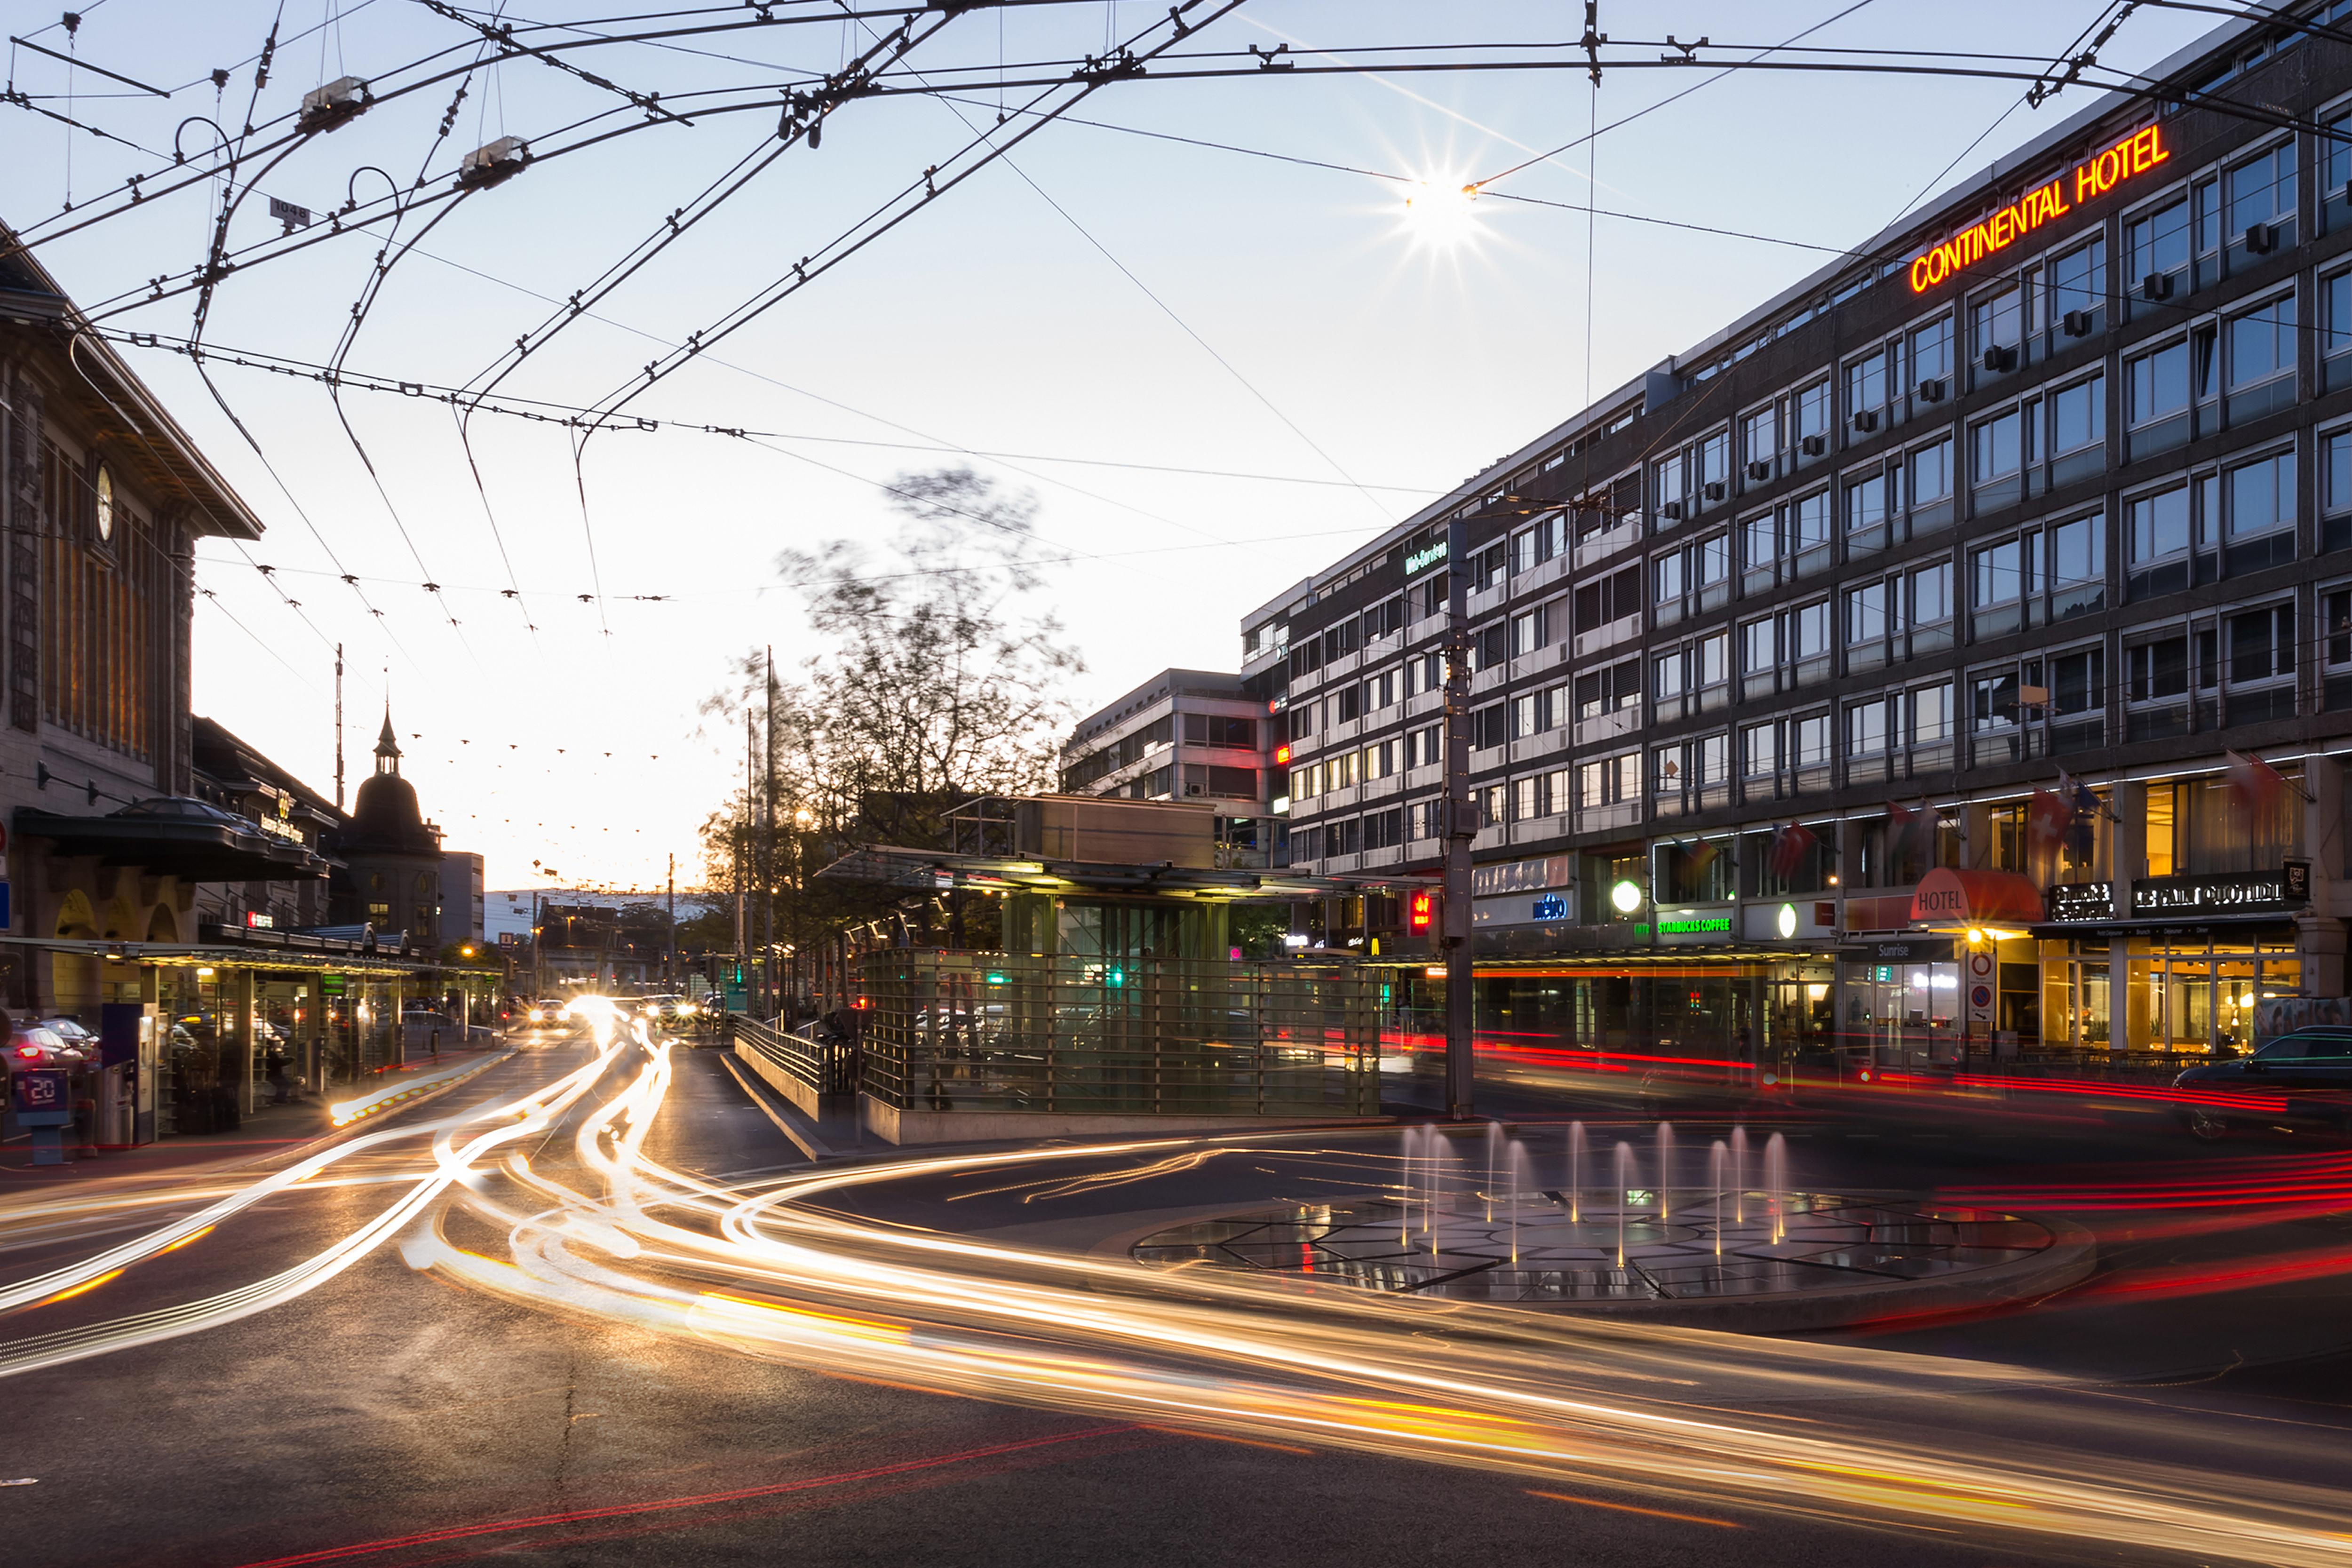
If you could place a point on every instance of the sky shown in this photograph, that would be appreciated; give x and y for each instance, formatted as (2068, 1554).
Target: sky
(1216, 370)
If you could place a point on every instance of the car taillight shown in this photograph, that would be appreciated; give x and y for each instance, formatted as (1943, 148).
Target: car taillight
(30, 1053)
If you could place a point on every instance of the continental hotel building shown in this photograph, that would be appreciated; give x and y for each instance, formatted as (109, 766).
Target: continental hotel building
(1874, 674)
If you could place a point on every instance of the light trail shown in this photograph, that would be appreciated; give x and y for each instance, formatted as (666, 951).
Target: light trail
(779, 1270)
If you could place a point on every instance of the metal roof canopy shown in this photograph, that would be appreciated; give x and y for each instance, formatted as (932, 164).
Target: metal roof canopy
(232, 956)
(201, 845)
(933, 870)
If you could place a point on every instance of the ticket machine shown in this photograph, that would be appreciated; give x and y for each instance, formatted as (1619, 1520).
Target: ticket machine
(129, 1036)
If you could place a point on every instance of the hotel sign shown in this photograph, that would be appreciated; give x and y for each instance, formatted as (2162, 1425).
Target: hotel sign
(2091, 178)
(2070, 903)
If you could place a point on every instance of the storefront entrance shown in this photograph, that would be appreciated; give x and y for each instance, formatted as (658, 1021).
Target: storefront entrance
(2181, 994)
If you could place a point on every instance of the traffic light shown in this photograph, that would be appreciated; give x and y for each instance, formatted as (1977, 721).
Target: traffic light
(1421, 913)
(1115, 977)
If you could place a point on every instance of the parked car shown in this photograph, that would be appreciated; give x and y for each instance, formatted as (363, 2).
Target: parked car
(40, 1046)
(2299, 1082)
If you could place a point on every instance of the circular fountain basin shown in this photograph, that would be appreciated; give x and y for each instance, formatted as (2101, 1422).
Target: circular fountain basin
(1754, 1261)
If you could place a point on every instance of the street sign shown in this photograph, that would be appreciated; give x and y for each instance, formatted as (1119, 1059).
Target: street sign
(1982, 976)
(44, 1097)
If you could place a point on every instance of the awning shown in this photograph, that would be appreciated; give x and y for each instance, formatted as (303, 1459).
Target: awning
(1947, 895)
(173, 835)
(938, 870)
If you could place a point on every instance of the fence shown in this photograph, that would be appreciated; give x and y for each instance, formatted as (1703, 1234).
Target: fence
(980, 1031)
(820, 1066)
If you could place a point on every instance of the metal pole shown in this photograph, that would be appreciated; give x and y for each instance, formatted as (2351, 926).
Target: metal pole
(1460, 822)
(669, 959)
(338, 726)
(767, 876)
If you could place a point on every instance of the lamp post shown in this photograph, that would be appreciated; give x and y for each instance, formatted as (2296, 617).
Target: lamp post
(1460, 823)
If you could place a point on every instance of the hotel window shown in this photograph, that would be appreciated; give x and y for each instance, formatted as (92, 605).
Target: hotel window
(2157, 400)
(2078, 286)
(1869, 382)
(1931, 356)
(2078, 420)
(1931, 714)
(1760, 551)
(2259, 195)
(1996, 331)
(1759, 435)
(1930, 589)
(2336, 626)
(2078, 566)
(1865, 728)
(2261, 657)
(1806, 522)
(2000, 579)
(2157, 245)
(2171, 536)
(1759, 750)
(2260, 514)
(1931, 485)
(2335, 168)
(1813, 412)
(1865, 615)
(1759, 653)
(2260, 373)
(1865, 512)
(1711, 760)
(2335, 489)
(2336, 332)
(1808, 633)
(1809, 740)
(1996, 449)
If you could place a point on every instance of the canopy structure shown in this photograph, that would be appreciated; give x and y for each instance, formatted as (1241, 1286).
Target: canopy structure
(934, 870)
(1947, 896)
(174, 836)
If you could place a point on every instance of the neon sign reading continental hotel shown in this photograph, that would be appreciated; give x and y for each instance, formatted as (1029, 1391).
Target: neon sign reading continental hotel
(2092, 177)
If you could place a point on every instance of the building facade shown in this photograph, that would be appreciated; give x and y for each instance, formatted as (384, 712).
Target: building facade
(1187, 735)
(1955, 653)
(463, 901)
(390, 876)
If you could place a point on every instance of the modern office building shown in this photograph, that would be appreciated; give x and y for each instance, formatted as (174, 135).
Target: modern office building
(1187, 735)
(1959, 645)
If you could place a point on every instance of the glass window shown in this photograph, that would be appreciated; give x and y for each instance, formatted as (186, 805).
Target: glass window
(1865, 503)
(1996, 322)
(2157, 669)
(2159, 383)
(2261, 189)
(2339, 163)
(2078, 681)
(1666, 677)
(1759, 751)
(1758, 541)
(1931, 351)
(1809, 630)
(1809, 522)
(1666, 769)
(1813, 410)
(2261, 496)
(2159, 242)
(2078, 280)
(1931, 714)
(1931, 595)
(1762, 434)
(1999, 572)
(1710, 561)
(2335, 470)
(1865, 728)
(1759, 650)
(1808, 739)
(2078, 415)
(2261, 645)
(2336, 313)
(1931, 473)
(1865, 613)
(2262, 343)
(1865, 382)
(2078, 552)
(1712, 657)
(1994, 448)
(1992, 702)
(1711, 759)
(1715, 458)
(2159, 524)
(1666, 578)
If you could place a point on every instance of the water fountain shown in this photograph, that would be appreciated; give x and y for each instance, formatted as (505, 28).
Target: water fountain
(1494, 1150)
(1519, 1170)
(1576, 1172)
(1625, 1195)
(1739, 1175)
(1776, 1185)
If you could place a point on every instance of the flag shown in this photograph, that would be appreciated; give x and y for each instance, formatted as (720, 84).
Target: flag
(2083, 822)
(1791, 842)
(2047, 816)
(1699, 857)
(1912, 826)
(2255, 785)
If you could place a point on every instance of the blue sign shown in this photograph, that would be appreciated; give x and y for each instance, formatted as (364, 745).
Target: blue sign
(1551, 907)
(43, 1098)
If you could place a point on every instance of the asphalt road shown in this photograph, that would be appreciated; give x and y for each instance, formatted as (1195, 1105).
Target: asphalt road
(389, 1417)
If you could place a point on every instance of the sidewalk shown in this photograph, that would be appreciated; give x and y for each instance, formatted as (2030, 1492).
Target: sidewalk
(267, 1133)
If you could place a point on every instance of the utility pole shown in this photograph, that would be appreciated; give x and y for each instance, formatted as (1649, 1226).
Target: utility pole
(338, 726)
(744, 849)
(669, 959)
(767, 881)
(1460, 821)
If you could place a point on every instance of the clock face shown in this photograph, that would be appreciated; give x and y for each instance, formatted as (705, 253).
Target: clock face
(105, 504)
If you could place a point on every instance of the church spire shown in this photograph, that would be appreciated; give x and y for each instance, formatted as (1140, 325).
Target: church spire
(387, 750)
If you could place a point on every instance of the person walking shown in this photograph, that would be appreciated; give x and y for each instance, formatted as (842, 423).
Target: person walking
(274, 1069)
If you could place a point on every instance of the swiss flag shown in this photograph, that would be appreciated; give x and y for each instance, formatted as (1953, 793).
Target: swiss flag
(2047, 818)
(1791, 842)
(2255, 785)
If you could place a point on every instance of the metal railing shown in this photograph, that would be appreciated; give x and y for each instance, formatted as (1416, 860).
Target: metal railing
(827, 1067)
(980, 1031)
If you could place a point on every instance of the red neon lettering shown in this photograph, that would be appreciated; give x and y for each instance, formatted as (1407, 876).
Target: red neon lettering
(2093, 176)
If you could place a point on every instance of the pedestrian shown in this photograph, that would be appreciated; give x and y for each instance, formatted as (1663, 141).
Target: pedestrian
(274, 1069)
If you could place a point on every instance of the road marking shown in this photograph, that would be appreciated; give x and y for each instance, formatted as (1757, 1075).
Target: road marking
(1628, 1508)
(814, 1148)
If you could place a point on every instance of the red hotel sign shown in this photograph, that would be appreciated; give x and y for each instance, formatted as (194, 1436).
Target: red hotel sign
(2092, 177)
